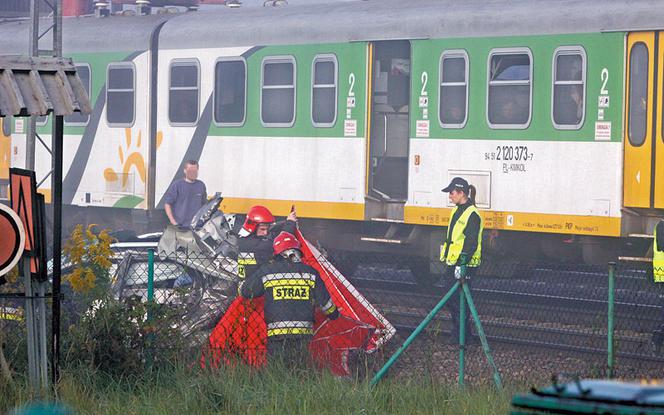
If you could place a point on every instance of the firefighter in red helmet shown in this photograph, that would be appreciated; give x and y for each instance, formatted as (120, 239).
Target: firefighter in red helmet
(256, 237)
(292, 290)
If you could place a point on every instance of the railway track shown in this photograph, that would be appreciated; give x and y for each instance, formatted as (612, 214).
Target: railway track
(534, 309)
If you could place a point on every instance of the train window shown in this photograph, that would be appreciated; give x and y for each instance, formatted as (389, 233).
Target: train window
(77, 118)
(230, 85)
(509, 100)
(120, 94)
(638, 93)
(183, 88)
(7, 126)
(453, 102)
(324, 91)
(278, 92)
(569, 78)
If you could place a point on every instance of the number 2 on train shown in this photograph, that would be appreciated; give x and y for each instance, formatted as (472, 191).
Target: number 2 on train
(605, 79)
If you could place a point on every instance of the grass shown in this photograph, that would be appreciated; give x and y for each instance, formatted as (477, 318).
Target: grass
(269, 391)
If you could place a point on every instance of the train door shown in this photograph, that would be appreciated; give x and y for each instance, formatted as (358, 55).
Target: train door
(658, 147)
(643, 180)
(388, 145)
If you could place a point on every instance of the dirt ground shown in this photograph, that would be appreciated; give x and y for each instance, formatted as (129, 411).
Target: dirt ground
(432, 357)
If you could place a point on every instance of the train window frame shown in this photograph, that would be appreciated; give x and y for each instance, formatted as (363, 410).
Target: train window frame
(632, 142)
(278, 59)
(328, 57)
(453, 53)
(562, 51)
(510, 51)
(121, 65)
(7, 123)
(89, 90)
(184, 62)
(214, 92)
(41, 123)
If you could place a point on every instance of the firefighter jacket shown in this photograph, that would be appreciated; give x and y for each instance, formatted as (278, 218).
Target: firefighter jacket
(464, 236)
(257, 250)
(292, 291)
(658, 253)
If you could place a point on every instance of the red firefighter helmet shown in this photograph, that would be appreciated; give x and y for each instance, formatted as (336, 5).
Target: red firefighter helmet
(285, 241)
(257, 215)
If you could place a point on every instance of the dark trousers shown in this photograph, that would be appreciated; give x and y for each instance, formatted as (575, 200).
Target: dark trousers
(453, 304)
(289, 351)
(658, 333)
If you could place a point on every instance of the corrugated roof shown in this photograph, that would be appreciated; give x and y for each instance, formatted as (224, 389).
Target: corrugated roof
(39, 86)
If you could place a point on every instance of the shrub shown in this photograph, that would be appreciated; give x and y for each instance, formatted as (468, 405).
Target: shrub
(117, 337)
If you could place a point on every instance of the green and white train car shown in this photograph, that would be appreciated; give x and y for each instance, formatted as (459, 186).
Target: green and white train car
(360, 112)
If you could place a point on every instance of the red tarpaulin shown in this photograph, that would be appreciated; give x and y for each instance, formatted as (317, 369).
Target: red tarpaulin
(241, 333)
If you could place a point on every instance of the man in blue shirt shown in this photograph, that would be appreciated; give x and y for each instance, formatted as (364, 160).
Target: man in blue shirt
(185, 196)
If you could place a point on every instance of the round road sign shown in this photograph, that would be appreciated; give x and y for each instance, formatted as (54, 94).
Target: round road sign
(12, 239)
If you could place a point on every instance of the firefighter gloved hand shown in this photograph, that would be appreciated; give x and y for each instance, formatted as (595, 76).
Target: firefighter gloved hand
(334, 315)
(463, 259)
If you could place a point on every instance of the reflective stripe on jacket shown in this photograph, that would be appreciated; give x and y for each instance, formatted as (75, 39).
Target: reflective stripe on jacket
(257, 250)
(456, 237)
(244, 259)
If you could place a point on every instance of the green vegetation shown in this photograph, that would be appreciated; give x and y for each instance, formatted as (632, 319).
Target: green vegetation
(117, 361)
(270, 391)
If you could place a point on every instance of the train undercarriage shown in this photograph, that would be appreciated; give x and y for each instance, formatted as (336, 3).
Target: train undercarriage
(416, 246)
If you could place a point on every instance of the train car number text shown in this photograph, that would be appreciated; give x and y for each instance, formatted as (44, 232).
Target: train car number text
(509, 153)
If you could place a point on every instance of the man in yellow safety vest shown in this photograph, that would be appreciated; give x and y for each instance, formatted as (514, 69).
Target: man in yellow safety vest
(462, 244)
(658, 276)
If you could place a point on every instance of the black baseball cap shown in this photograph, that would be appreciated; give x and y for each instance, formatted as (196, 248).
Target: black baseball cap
(458, 183)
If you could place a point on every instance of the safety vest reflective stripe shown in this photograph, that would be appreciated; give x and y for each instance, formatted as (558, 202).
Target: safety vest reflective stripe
(290, 324)
(11, 316)
(455, 237)
(284, 331)
(245, 258)
(329, 307)
(290, 327)
(288, 282)
(282, 276)
(658, 258)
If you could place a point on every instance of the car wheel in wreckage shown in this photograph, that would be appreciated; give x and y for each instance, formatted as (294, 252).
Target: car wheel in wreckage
(203, 304)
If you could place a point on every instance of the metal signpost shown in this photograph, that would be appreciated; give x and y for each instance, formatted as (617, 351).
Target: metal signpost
(27, 82)
(55, 27)
(29, 207)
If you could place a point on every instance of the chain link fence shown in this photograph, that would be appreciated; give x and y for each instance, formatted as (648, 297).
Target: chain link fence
(551, 309)
(534, 306)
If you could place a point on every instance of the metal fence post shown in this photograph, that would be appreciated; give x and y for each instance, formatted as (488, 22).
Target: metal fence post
(150, 278)
(149, 356)
(610, 322)
(482, 336)
(462, 326)
(414, 334)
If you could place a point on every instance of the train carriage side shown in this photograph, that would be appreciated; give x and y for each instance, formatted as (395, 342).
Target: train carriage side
(277, 125)
(106, 152)
(420, 95)
(535, 122)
